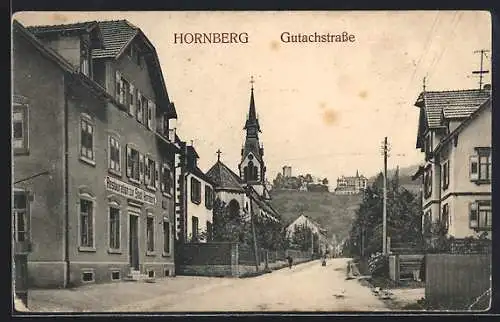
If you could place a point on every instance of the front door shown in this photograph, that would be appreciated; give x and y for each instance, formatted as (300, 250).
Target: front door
(134, 242)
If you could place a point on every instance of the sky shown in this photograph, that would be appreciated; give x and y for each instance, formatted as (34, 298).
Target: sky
(324, 108)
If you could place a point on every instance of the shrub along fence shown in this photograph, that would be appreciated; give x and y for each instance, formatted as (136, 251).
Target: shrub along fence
(230, 259)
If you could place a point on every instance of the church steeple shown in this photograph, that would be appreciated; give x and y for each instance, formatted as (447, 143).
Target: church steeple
(252, 168)
(252, 124)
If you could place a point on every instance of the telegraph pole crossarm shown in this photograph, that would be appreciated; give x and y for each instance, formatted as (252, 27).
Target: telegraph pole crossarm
(481, 71)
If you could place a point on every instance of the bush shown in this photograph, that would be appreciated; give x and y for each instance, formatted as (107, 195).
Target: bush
(378, 265)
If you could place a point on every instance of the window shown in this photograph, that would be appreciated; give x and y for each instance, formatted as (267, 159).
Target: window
(446, 174)
(86, 223)
(195, 191)
(20, 128)
(480, 166)
(115, 275)
(208, 197)
(114, 155)
(144, 110)
(480, 215)
(209, 231)
(150, 233)
(445, 214)
(126, 91)
(87, 140)
(135, 165)
(114, 228)
(20, 214)
(427, 222)
(151, 107)
(166, 237)
(151, 173)
(88, 276)
(166, 179)
(194, 228)
(428, 183)
(85, 60)
(138, 111)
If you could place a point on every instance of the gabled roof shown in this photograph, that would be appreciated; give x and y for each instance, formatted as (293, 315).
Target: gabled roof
(200, 174)
(117, 34)
(225, 178)
(90, 27)
(458, 103)
(464, 124)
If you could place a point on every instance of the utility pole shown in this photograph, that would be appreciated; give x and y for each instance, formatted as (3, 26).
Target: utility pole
(482, 52)
(253, 231)
(385, 150)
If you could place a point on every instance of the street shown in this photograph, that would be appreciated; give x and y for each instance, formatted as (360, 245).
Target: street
(306, 287)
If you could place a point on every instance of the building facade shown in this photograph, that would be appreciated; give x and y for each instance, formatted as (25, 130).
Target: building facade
(351, 185)
(196, 223)
(454, 134)
(91, 109)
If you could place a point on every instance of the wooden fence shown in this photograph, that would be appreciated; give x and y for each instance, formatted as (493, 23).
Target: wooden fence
(454, 281)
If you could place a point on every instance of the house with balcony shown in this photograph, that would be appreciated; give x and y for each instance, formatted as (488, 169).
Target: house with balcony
(454, 134)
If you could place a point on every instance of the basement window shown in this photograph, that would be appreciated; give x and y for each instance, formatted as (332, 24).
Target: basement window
(88, 276)
(151, 273)
(115, 275)
(167, 272)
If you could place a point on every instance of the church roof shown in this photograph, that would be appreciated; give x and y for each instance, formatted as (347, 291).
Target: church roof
(224, 178)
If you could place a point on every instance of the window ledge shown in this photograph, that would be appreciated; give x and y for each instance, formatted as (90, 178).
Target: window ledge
(114, 251)
(166, 194)
(195, 202)
(152, 188)
(115, 172)
(88, 161)
(479, 182)
(21, 151)
(150, 253)
(166, 254)
(134, 180)
(87, 249)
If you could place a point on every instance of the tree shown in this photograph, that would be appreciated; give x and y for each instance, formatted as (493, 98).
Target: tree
(325, 181)
(229, 226)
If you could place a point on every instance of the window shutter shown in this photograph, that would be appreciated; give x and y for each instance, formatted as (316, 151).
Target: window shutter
(473, 215)
(110, 165)
(162, 181)
(122, 91)
(132, 100)
(474, 167)
(146, 170)
(141, 167)
(129, 161)
(118, 82)
(150, 115)
(139, 105)
(157, 175)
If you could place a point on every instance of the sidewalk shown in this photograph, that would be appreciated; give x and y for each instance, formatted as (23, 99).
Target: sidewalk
(120, 296)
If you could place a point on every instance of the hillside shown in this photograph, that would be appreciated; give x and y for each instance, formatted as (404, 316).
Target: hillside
(335, 213)
(405, 174)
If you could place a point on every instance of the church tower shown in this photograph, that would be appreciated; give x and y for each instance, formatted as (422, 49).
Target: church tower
(252, 167)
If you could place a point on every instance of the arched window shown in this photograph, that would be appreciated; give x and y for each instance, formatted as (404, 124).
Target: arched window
(234, 208)
(255, 173)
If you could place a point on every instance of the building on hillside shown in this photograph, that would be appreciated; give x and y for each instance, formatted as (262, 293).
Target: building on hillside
(195, 224)
(94, 150)
(287, 171)
(454, 133)
(351, 185)
(238, 191)
(321, 233)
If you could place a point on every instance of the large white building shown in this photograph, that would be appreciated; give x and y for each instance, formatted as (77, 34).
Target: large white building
(454, 132)
(351, 185)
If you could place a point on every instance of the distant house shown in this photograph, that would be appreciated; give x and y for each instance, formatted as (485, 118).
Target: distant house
(351, 185)
(315, 227)
(454, 132)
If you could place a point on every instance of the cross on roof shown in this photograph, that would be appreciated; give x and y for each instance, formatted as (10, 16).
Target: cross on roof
(218, 154)
(423, 83)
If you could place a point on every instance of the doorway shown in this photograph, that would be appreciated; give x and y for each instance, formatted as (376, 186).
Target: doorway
(134, 241)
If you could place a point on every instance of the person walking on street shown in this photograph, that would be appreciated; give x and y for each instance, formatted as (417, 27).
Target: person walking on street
(290, 261)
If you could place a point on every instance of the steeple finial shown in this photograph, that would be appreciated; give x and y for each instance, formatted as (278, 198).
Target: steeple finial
(423, 83)
(218, 154)
(252, 81)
